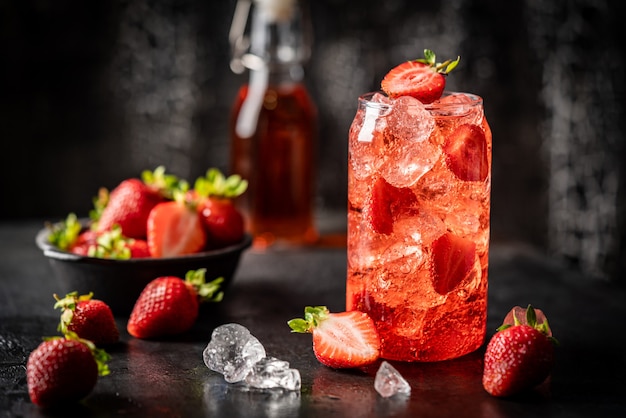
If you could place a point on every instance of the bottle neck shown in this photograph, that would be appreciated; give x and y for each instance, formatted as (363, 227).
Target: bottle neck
(279, 39)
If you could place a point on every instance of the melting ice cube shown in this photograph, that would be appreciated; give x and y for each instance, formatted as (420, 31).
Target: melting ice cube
(409, 153)
(389, 381)
(270, 372)
(233, 352)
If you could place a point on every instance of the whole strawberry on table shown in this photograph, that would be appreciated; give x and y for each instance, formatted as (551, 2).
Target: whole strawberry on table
(89, 318)
(519, 356)
(64, 369)
(157, 216)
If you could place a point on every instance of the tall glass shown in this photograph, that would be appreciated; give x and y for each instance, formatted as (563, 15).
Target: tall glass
(419, 181)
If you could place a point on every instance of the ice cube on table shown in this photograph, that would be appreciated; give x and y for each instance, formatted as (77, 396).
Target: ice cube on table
(389, 381)
(233, 352)
(270, 373)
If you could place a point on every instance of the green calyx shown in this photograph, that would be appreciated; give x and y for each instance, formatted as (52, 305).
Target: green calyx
(167, 184)
(112, 244)
(65, 233)
(207, 292)
(440, 67)
(100, 356)
(99, 203)
(531, 321)
(215, 184)
(313, 316)
(68, 306)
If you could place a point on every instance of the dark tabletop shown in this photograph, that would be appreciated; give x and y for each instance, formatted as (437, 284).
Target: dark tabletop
(168, 377)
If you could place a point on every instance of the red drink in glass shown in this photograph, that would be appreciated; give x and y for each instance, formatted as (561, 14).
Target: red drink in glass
(419, 181)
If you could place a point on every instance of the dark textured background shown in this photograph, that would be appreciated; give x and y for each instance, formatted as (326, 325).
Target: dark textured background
(94, 92)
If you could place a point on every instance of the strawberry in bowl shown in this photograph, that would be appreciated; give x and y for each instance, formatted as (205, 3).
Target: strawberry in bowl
(110, 255)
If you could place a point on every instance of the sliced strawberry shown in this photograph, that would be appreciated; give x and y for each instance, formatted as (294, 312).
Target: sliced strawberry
(340, 340)
(453, 258)
(128, 206)
(387, 204)
(466, 153)
(423, 79)
(175, 228)
(130, 203)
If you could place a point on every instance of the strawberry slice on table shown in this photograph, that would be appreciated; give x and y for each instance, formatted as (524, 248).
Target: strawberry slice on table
(89, 318)
(453, 258)
(64, 369)
(214, 194)
(129, 204)
(340, 340)
(518, 357)
(466, 153)
(169, 305)
(423, 79)
(387, 204)
(175, 228)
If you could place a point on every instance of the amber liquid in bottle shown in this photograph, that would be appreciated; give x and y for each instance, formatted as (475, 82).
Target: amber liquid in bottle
(278, 162)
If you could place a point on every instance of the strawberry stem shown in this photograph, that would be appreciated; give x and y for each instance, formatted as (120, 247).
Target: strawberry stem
(67, 306)
(215, 184)
(65, 233)
(207, 292)
(442, 67)
(313, 316)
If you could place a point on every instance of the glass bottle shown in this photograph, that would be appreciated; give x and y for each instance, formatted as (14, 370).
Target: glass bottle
(273, 125)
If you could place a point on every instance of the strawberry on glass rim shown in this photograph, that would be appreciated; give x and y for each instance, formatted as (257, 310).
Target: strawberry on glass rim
(423, 78)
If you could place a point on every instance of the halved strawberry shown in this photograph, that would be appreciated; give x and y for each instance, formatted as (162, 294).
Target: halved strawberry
(387, 203)
(175, 228)
(340, 340)
(466, 153)
(453, 258)
(423, 79)
(130, 202)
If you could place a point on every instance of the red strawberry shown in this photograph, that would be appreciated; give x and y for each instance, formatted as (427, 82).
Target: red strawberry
(387, 204)
(453, 258)
(90, 319)
(423, 79)
(466, 153)
(175, 228)
(130, 203)
(222, 220)
(62, 370)
(340, 340)
(139, 248)
(85, 240)
(169, 305)
(518, 357)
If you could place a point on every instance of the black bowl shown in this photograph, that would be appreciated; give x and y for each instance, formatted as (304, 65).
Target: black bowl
(119, 282)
